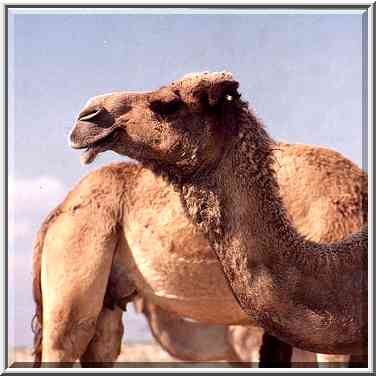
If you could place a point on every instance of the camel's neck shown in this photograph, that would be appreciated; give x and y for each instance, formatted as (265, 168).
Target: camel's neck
(280, 279)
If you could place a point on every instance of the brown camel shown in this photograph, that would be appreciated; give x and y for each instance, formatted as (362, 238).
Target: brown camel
(201, 137)
(105, 235)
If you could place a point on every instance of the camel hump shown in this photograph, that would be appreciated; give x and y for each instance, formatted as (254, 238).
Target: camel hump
(332, 190)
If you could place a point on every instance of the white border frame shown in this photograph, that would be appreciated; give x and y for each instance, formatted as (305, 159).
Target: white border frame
(370, 122)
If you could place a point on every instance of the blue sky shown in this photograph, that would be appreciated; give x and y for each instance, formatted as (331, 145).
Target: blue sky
(302, 73)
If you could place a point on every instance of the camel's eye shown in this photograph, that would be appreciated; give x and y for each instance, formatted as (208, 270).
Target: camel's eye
(231, 96)
(166, 108)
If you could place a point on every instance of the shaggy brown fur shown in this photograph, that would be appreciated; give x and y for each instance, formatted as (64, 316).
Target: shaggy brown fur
(215, 151)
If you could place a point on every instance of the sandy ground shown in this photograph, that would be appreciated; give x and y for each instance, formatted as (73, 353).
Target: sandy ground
(149, 355)
(140, 352)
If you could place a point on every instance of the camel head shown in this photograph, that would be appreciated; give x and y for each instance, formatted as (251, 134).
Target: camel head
(179, 126)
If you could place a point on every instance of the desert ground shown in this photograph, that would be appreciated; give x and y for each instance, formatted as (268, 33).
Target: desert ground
(150, 354)
(136, 352)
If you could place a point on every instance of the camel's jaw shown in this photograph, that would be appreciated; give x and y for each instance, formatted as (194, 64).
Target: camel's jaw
(93, 145)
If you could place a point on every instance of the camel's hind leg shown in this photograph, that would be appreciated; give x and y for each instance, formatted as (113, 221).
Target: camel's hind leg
(105, 346)
(76, 262)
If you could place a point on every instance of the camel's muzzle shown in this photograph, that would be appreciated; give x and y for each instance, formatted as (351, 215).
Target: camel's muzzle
(92, 131)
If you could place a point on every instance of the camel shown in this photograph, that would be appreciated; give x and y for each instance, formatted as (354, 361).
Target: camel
(104, 243)
(198, 135)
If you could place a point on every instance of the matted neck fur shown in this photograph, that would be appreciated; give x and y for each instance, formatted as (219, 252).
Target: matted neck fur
(199, 134)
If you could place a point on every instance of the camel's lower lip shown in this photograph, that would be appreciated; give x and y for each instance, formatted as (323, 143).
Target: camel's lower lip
(92, 150)
(88, 155)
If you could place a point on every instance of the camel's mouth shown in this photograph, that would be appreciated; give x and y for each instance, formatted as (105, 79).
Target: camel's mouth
(92, 150)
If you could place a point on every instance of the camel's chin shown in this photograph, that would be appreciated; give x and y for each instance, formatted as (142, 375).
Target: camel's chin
(99, 146)
(89, 155)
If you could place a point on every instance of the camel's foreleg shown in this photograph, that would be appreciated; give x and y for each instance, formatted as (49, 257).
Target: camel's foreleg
(274, 352)
(76, 262)
(359, 361)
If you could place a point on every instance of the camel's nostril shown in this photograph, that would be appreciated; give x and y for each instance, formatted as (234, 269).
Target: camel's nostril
(97, 117)
(90, 115)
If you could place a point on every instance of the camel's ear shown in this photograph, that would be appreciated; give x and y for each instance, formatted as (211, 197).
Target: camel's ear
(208, 88)
(216, 87)
(222, 90)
